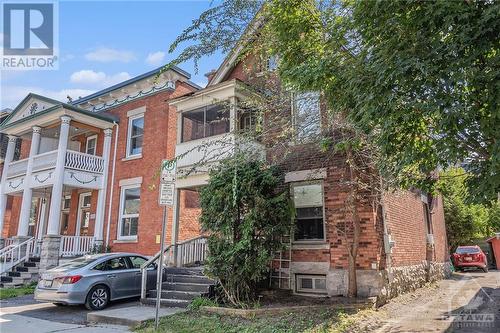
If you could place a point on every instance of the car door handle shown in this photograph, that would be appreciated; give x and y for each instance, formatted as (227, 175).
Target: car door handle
(111, 276)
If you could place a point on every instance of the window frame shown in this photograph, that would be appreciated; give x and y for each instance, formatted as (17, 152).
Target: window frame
(205, 109)
(304, 137)
(90, 138)
(121, 215)
(313, 290)
(129, 134)
(303, 183)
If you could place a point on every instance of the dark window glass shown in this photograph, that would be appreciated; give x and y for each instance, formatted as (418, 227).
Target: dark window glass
(136, 136)
(137, 262)
(308, 200)
(112, 265)
(205, 122)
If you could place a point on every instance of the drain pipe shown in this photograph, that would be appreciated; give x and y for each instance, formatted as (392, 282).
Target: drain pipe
(110, 202)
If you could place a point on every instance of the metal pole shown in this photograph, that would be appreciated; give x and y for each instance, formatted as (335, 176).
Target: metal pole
(159, 271)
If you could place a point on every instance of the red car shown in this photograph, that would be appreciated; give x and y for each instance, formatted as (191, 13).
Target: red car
(469, 257)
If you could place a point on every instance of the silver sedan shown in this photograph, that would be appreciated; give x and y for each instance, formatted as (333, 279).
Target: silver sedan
(94, 280)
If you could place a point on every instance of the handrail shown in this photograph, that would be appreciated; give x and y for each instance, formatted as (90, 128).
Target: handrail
(16, 254)
(144, 275)
(5, 249)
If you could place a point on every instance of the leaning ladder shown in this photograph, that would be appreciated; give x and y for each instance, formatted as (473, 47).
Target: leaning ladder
(280, 266)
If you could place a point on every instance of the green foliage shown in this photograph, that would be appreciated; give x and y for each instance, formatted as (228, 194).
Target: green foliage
(421, 76)
(244, 214)
(201, 301)
(14, 292)
(465, 221)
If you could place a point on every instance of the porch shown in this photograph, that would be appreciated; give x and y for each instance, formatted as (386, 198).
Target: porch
(62, 172)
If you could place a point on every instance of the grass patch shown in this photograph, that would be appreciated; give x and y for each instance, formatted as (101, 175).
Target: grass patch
(319, 321)
(14, 292)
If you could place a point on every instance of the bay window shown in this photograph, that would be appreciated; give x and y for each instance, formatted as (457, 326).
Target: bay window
(309, 219)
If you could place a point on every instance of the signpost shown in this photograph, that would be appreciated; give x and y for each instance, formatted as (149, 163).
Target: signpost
(165, 198)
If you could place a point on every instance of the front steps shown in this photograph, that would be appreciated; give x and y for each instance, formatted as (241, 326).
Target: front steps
(22, 274)
(180, 287)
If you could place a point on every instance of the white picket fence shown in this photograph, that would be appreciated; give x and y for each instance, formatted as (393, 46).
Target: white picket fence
(72, 246)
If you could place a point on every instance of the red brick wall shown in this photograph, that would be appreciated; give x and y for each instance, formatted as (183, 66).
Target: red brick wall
(159, 143)
(188, 217)
(439, 230)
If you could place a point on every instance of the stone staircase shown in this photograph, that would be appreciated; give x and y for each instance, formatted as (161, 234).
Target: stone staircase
(22, 274)
(181, 285)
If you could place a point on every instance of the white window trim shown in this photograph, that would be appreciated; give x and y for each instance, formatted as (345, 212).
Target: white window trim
(121, 215)
(92, 137)
(313, 290)
(129, 134)
(316, 240)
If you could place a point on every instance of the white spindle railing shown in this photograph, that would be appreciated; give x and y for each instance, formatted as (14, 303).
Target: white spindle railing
(13, 255)
(72, 246)
(192, 251)
(17, 168)
(85, 162)
(8, 241)
(45, 161)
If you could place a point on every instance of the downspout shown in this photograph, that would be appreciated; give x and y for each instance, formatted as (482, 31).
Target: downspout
(110, 203)
(388, 243)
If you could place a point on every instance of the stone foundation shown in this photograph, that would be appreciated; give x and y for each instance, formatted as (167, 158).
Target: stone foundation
(49, 254)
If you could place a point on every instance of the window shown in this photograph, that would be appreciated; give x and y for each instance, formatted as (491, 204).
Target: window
(308, 200)
(248, 122)
(205, 122)
(311, 283)
(191, 199)
(129, 209)
(66, 202)
(90, 147)
(135, 135)
(306, 115)
(112, 265)
(86, 201)
(137, 262)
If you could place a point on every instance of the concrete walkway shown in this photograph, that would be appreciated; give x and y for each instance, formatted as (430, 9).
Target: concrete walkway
(129, 316)
(14, 320)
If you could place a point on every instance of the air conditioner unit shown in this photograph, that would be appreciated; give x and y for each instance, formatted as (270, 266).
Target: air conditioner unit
(430, 239)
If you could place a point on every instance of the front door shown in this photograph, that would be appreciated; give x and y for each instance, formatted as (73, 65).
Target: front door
(83, 219)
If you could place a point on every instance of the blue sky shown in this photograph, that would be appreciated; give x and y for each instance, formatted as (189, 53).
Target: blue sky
(105, 42)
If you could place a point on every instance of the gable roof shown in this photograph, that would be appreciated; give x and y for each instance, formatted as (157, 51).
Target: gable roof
(231, 58)
(56, 105)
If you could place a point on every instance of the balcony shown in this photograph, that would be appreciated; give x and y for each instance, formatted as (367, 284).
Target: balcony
(80, 170)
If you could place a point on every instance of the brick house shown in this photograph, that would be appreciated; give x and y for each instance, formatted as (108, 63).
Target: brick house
(87, 176)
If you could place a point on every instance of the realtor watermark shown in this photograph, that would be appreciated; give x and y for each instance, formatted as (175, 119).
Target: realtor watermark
(30, 35)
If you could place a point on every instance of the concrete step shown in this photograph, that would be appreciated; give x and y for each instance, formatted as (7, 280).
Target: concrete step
(188, 279)
(172, 303)
(27, 269)
(197, 271)
(19, 280)
(30, 264)
(193, 287)
(6, 278)
(24, 275)
(12, 285)
(34, 259)
(178, 295)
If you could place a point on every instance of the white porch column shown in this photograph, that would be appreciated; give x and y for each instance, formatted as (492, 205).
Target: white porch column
(42, 220)
(9, 156)
(56, 197)
(101, 196)
(24, 216)
(175, 224)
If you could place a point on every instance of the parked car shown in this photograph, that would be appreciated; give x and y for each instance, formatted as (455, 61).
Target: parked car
(94, 280)
(469, 257)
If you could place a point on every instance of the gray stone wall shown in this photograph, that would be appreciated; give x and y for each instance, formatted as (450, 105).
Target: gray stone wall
(49, 254)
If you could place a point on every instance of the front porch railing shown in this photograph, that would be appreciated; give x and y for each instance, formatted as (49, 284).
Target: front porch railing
(85, 162)
(17, 168)
(12, 255)
(72, 246)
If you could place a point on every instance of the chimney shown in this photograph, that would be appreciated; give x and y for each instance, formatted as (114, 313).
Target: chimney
(210, 74)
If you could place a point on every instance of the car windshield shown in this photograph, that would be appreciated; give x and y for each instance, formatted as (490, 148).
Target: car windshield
(468, 250)
(78, 263)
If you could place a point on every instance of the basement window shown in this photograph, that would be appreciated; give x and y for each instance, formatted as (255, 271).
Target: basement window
(311, 284)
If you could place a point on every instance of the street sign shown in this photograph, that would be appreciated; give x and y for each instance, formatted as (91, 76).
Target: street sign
(167, 194)
(168, 171)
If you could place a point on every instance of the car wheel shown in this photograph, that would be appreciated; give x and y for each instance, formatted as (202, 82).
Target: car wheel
(485, 269)
(97, 298)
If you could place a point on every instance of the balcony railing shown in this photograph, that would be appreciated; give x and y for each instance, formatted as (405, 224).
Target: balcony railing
(17, 168)
(45, 161)
(84, 162)
(72, 246)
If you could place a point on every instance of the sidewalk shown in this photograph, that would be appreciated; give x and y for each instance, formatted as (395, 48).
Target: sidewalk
(129, 316)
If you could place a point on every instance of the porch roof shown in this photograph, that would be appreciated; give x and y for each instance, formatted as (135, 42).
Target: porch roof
(55, 109)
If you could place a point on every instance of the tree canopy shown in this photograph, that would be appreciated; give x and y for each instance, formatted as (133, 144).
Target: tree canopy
(420, 77)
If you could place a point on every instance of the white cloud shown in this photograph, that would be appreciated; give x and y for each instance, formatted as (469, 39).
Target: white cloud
(11, 96)
(156, 58)
(98, 79)
(105, 54)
